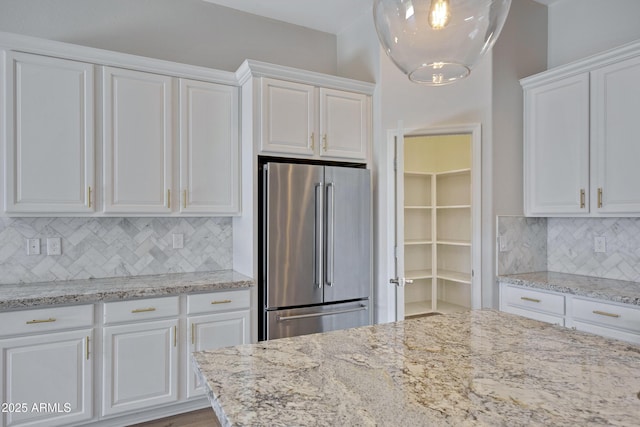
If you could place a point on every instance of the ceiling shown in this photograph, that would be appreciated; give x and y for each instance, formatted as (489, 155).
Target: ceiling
(329, 16)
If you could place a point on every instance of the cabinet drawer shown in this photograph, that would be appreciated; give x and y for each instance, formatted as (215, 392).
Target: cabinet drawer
(46, 319)
(535, 300)
(605, 314)
(218, 301)
(141, 309)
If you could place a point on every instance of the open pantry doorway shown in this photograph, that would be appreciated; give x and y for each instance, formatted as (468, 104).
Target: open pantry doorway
(437, 232)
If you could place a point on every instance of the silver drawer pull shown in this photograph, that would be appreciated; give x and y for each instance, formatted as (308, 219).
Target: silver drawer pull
(143, 310)
(604, 313)
(325, 313)
(224, 301)
(49, 320)
(530, 299)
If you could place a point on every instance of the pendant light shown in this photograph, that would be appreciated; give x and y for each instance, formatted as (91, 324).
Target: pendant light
(437, 42)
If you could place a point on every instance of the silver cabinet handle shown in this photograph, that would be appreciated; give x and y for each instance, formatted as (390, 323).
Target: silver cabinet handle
(326, 313)
(331, 190)
(319, 232)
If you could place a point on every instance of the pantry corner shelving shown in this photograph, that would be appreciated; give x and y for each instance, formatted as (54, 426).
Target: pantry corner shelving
(437, 245)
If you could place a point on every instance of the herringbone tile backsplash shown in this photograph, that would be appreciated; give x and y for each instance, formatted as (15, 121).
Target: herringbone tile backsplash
(570, 246)
(112, 247)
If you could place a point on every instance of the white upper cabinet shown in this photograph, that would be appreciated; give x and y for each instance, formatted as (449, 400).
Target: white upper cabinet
(314, 122)
(614, 140)
(137, 141)
(288, 117)
(580, 144)
(209, 147)
(556, 147)
(87, 132)
(50, 135)
(344, 124)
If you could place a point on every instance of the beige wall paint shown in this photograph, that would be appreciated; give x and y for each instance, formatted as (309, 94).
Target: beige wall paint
(437, 153)
(187, 31)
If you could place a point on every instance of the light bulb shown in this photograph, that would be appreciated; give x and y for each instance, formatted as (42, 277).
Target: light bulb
(439, 14)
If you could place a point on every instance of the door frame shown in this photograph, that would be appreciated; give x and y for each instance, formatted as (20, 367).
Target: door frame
(395, 139)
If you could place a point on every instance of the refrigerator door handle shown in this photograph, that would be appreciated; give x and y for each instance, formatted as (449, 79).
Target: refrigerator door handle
(331, 196)
(324, 313)
(318, 247)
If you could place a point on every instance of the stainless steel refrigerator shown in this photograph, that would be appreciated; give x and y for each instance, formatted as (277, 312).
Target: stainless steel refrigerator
(316, 249)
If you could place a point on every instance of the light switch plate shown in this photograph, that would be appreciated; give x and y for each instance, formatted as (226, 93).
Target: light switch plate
(33, 246)
(600, 244)
(178, 241)
(54, 247)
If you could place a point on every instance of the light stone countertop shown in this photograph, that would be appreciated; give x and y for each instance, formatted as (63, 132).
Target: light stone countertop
(592, 287)
(477, 368)
(33, 295)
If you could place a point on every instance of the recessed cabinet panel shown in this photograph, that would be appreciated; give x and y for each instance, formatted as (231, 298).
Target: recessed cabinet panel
(142, 366)
(616, 158)
(344, 124)
(50, 146)
(288, 117)
(53, 369)
(556, 147)
(137, 141)
(215, 331)
(209, 175)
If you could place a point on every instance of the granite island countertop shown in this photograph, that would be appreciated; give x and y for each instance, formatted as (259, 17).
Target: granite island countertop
(32, 295)
(587, 286)
(477, 368)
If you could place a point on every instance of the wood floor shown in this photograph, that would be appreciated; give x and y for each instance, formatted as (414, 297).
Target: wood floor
(202, 418)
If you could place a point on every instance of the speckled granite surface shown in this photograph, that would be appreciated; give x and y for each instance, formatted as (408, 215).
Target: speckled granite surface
(478, 368)
(587, 286)
(32, 295)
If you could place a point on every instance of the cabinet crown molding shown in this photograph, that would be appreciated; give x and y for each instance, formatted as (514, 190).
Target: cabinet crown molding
(589, 63)
(251, 68)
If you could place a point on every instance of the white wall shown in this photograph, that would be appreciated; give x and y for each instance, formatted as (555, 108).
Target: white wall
(188, 31)
(520, 51)
(580, 28)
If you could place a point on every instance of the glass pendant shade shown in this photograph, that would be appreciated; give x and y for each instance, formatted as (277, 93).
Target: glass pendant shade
(437, 42)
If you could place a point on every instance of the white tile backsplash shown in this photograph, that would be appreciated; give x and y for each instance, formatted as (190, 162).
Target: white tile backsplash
(113, 247)
(525, 241)
(569, 246)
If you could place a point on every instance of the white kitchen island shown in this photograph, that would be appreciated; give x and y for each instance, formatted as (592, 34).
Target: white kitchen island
(473, 368)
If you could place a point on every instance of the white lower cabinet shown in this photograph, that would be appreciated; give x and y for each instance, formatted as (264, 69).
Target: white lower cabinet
(609, 319)
(140, 355)
(226, 323)
(544, 306)
(47, 375)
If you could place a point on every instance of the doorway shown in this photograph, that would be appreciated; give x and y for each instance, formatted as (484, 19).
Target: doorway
(437, 242)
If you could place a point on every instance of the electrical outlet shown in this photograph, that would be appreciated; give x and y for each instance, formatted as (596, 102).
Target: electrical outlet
(54, 247)
(178, 241)
(502, 244)
(33, 246)
(600, 244)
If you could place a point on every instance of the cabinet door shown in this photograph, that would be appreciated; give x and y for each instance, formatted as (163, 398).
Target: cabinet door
(556, 147)
(209, 175)
(615, 145)
(50, 135)
(344, 124)
(137, 141)
(140, 366)
(288, 118)
(49, 378)
(214, 331)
